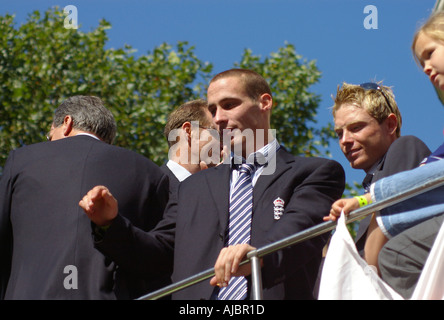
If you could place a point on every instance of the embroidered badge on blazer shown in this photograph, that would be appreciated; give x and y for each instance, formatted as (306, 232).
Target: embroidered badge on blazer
(278, 208)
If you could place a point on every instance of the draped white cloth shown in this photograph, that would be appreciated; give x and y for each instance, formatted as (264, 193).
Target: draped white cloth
(346, 276)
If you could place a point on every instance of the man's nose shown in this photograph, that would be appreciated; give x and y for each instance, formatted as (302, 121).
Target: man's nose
(346, 137)
(220, 116)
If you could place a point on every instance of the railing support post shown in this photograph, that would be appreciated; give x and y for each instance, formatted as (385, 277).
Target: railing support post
(256, 276)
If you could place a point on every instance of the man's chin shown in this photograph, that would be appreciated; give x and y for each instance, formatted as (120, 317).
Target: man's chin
(357, 166)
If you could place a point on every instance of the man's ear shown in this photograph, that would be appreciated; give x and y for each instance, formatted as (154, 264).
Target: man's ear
(266, 102)
(392, 123)
(186, 130)
(67, 125)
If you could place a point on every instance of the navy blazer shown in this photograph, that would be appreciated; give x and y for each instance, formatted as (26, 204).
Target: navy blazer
(43, 229)
(194, 226)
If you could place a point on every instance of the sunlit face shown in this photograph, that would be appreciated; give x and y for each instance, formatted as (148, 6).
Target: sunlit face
(430, 53)
(362, 139)
(233, 111)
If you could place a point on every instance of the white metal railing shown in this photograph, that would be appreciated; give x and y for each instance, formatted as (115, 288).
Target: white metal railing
(255, 255)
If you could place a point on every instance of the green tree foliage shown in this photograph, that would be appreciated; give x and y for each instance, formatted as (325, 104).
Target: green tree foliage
(42, 63)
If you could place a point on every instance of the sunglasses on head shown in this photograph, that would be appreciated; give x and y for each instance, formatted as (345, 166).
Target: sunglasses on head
(375, 86)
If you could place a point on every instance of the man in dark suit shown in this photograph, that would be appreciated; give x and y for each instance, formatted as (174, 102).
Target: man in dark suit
(290, 194)
(368, 124)
(188, 126)
(45, 238)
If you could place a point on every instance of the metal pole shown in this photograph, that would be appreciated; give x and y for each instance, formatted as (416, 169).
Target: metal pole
(302, 236)
(178, 285)
(256, 276)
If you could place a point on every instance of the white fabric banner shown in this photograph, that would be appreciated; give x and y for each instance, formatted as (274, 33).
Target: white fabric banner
(346, 276)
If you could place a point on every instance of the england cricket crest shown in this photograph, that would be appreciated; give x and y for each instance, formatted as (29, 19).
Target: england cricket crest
(278, 208)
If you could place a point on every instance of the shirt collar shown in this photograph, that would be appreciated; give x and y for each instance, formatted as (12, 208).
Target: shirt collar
(260, 157)
(373, 169)
(180, 172)
(87, 134)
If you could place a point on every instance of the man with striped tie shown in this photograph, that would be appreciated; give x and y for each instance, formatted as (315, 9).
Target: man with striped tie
(260, 194)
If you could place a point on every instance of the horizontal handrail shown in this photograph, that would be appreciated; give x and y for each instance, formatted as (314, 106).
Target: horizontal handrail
(301, 236)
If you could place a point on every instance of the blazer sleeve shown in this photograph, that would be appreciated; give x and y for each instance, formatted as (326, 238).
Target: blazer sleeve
(146, 254)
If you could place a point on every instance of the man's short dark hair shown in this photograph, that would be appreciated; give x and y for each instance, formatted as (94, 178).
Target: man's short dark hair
(254, 84)
(194, 110)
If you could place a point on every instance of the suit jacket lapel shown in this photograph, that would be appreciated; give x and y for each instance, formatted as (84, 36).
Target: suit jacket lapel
(218, 184)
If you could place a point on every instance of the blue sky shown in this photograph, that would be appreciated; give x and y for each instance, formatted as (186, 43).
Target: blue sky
(332, 32)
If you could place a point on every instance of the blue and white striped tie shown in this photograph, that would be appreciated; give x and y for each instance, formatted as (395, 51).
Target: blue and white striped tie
(241, 205)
